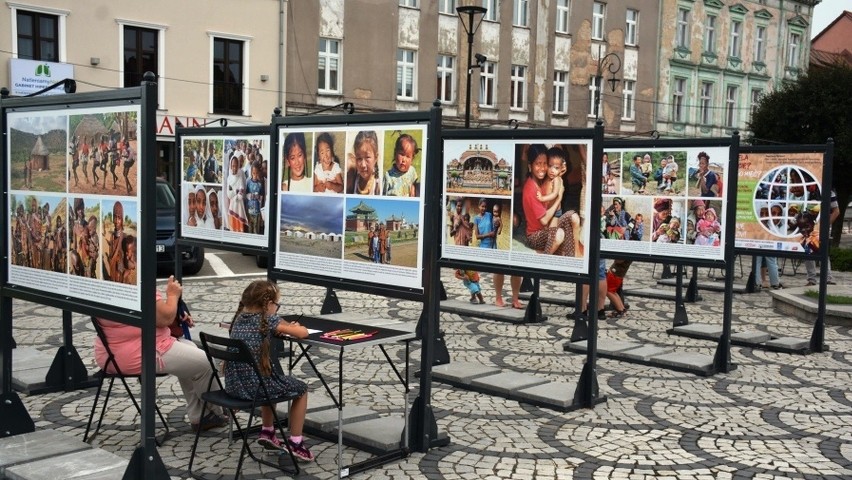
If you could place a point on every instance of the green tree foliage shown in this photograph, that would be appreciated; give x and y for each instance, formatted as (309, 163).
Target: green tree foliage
(815, 107)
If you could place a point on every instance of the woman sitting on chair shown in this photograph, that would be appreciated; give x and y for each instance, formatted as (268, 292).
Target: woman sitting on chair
(176, 357)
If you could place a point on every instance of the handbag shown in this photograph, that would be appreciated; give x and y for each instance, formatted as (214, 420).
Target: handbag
(178, 328)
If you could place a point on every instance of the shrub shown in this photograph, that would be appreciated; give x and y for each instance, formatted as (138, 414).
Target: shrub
(841, 259)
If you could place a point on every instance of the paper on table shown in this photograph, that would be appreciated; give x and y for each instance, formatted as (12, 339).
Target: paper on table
(311, 331)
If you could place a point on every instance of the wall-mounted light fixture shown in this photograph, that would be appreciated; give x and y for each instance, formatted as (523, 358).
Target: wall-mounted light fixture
(95, 61)
(264, 78)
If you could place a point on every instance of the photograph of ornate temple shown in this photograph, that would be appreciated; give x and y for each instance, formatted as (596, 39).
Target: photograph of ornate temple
(479, 171)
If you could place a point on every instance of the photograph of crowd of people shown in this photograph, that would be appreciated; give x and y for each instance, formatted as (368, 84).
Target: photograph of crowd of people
(102, 153)
(225, 188)
(479, 222)
(312, 225)
(38, 152)
(38, 232)
(120, 231)
(375, 162)
(84, 254)
(382, 231)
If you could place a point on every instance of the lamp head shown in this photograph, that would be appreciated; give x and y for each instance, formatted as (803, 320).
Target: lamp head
(480, 59)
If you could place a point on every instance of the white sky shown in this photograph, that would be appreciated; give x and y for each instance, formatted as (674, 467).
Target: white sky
(826, 12)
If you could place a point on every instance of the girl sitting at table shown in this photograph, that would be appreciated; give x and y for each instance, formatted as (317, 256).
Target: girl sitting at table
(254, 323)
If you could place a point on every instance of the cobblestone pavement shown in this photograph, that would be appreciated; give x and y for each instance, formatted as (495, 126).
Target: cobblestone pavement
(775, 416)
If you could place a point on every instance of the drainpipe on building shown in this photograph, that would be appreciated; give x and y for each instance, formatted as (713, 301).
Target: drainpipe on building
(782, 48)
(282, 39)
(659, 62)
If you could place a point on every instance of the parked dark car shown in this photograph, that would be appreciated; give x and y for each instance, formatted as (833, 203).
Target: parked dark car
(192, 257)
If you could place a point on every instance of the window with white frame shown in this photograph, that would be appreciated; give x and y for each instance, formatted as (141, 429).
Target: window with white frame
(446, 79)
(732, 92)
(682, 32)
(736, 34)
(632, 27)
(37, 36)
(405, 74)
(563, 11)
(678, 92)
(793, 50)
(755, 99)
(493, 7)
(594, 86)
(328, 66)
(560, 92)
(447, 6)
(705, 112)
(408, 3)
(488, 84)
(710, 34)
(598, 14)
(760, 44)
(520, 13)
(518, 87)
(628, 100)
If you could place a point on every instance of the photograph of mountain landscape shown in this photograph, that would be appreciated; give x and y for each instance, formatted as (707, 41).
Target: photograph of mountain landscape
(312, 225)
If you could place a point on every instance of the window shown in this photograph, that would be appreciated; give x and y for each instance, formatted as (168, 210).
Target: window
(677, 99)
(487, 84)
(520, 13)
(328, 66)
(227, 76)
(408, 3)
(731, 106)
(493, 8)
(630, 33)
(141, 51)
(682, 33)
(710, 34)
(562, 15)
(736, 32)
(405, 74)
(755, 99)
(628, 100)
(447, 6)
(560, 92)
(446, 77)
(594, 84)
(38, 36)
(793, 50)
(518, 87)
(598, 13)
(705, 113)
(760, 44)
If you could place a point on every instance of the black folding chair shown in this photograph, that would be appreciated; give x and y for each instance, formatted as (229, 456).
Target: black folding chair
(233, 350)
(105, 374)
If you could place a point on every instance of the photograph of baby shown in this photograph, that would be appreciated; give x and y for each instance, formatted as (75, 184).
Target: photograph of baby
(667, 225)
(295, 164)
(402, 163)
(703, 222)
(363, 168)
(119, 241)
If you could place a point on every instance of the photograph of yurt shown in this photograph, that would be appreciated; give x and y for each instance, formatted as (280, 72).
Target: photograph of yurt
(37, 148)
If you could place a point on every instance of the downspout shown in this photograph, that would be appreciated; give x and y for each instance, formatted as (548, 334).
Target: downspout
(282, 49)
(657, 85)
(782, 48)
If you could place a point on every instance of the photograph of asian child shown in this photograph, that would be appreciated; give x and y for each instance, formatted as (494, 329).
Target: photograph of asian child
(296, 177)
(470, 279)
(401, 179)
(362, 173)
(255, 322)
(614, 287)
(328, 175)
(619, 225)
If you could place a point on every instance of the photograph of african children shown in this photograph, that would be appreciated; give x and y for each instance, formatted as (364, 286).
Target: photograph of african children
(102, 153)
(378, 231)
(295, 162)
(363, 168)
(38, 232)
(653, 173)
(202, 160)
(402, 163)
(480, 170)
(312, 225)
(203, 207)
(328, 172)
(120, 232)
(84, 252)
(38, 152)
(479, 222)
(623, 218)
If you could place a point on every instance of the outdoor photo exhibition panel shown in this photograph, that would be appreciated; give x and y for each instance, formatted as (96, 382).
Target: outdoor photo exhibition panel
(351, 203)
(76, 173)
(224, 180)
(502, 202)
(74, 206)
(665, 201)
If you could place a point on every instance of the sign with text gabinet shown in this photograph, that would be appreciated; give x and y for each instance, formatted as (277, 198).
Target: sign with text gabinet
(522, 203)
(351, 202)
(225, 185)
(778, 201)
(74, 205)
(30, 76)
(665, 202)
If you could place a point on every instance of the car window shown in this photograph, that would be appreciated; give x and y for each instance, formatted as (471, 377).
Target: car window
(165, 196)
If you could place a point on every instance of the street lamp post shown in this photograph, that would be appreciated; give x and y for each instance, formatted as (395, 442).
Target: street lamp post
(611, 62)
(470, 28)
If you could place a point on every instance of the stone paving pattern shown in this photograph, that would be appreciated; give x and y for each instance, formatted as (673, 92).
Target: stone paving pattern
(775, 416)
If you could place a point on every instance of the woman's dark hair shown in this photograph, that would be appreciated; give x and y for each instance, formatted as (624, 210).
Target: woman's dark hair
(533, 152)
